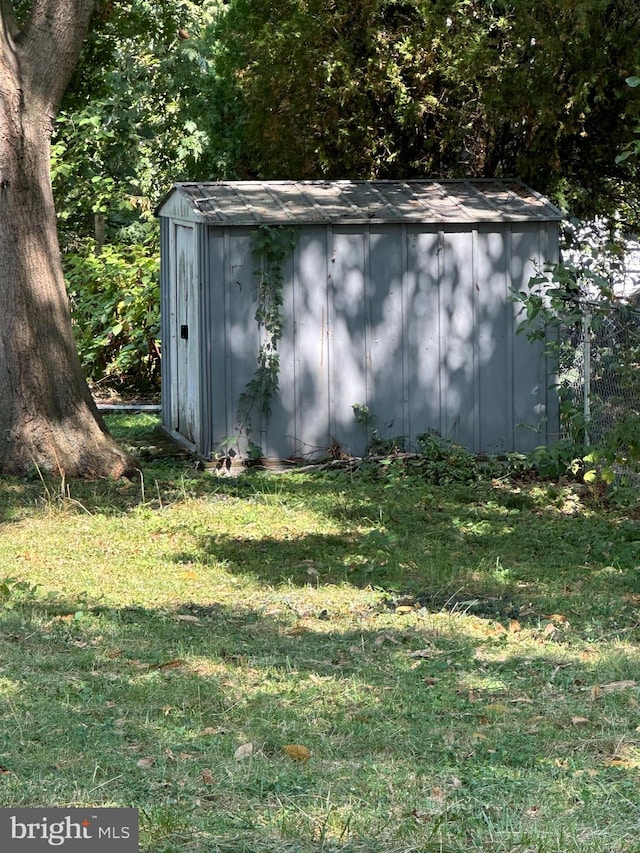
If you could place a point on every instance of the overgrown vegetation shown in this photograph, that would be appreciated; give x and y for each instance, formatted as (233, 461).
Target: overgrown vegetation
(271, 248)
(407, 89)
(115, 307)
(576, 301)
(460, 660)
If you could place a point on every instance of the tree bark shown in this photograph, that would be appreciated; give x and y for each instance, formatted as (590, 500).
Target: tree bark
(48, 417)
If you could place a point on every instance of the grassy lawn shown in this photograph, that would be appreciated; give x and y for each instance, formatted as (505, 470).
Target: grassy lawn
(323, 662)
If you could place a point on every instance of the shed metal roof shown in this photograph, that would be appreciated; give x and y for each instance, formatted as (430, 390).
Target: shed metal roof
(355, 202)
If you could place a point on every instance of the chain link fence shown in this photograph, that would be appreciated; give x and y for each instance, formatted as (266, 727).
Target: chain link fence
(599, 370)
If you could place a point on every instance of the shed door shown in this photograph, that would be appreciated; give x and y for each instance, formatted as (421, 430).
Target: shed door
(186, 378)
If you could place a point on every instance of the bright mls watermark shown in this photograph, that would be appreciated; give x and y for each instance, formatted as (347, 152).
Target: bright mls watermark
(69, 830)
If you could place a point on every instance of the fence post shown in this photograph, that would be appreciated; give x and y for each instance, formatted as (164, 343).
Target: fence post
(586, 369)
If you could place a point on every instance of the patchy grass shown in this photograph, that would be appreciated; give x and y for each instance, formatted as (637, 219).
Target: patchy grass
(461, 662)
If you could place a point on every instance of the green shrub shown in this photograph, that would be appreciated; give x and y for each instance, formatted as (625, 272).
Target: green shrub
(115, 306)
(443, 461)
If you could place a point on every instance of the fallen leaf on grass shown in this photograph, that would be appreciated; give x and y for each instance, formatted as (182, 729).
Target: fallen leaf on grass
(402, 609)
(478, 736)
(614, 686)
(438, 794)
(146, 763)
(170, 664)
(381, 639)
(296, 630)
(580, 721)
(297, 752)
(514, 626)
(243, 751)
(619, 762)
(425, 653)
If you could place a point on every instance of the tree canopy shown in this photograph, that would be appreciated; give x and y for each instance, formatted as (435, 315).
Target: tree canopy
(410, 88)
(348, 89)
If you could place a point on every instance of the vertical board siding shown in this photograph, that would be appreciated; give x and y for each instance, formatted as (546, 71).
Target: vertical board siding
(167, 326)
(413, 321)
(386, 380)
(203, 356)
(457, 324)
(347, 338)
(529, 373)
(309, 433)
(494, 325)
(422, 335)
(185, 311)
(241, 331)
(278, 432)
(214, 313)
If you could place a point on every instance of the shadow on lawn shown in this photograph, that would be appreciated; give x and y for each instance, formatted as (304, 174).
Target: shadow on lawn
(492, 553)
(94, 691)
(200, 686)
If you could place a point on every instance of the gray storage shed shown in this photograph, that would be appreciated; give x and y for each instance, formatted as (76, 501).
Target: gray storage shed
(396, 297)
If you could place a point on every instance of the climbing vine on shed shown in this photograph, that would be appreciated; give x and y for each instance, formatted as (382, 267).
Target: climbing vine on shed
(271, 246)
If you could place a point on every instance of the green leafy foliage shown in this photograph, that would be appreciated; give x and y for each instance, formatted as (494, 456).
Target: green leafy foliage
(444, 461)
(130, 121)
(330, 88)
(631, 149)
(564, 305)
(115, 308)
(14, 592)
(128, 128)
(377, 445)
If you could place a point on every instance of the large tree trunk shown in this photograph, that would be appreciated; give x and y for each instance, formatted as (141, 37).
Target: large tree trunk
(47, 415)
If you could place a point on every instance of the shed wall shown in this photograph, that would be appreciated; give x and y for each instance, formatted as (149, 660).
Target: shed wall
(413, 321)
